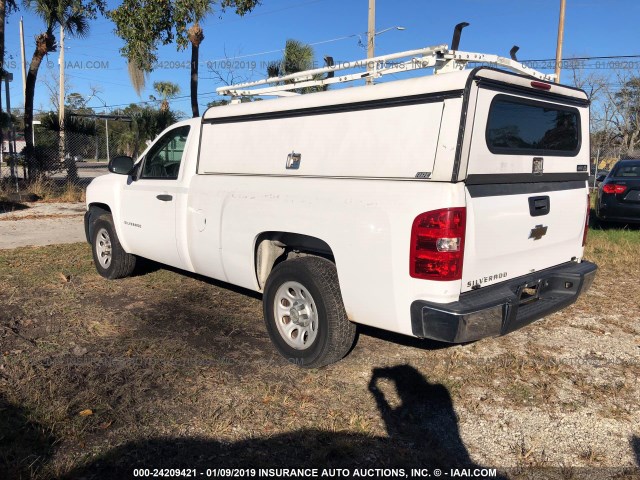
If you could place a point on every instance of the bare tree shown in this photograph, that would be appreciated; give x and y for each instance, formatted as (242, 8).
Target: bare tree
(227, 72)
(615, 112)
(52, 84)
(626, 104)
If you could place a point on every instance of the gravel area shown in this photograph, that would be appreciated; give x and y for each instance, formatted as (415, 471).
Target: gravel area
(38, 224)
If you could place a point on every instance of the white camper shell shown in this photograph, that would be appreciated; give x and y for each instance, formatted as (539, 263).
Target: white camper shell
(451, 206)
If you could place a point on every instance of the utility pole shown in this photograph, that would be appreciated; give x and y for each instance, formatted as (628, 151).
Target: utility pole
(1, 134)
(24, 88)
(8, 77)
(371, 38)
(563, 4)
(61, 99)
(106, 126)
(24, 66)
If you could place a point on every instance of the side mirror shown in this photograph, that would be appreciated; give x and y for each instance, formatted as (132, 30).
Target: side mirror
(121, 165)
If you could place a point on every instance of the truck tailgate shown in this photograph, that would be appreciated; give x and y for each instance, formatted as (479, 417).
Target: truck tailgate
(510, 235)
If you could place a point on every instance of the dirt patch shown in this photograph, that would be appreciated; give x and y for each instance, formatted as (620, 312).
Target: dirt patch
(37, 224)
(38, 216)
(42, 231)
(42, 210)
(177, 371)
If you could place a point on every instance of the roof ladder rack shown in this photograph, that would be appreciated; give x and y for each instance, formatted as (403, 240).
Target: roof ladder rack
(440, 57)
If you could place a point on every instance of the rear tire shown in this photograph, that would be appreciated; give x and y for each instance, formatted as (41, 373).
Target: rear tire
(304, 313)
(108, 255)
(599, 223)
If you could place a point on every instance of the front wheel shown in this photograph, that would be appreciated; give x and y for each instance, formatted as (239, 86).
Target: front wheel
(304, 313)
(108, 255)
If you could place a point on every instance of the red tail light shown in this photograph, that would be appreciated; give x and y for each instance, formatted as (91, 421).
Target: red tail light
(586, 222)
(437, 244)
(613, 188)
(541, 85)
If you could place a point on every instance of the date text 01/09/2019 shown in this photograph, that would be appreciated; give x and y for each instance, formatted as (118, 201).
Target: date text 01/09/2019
(309, 472)
(314, 473)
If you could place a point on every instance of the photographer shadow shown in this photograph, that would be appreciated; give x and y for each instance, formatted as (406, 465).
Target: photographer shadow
(425, 419)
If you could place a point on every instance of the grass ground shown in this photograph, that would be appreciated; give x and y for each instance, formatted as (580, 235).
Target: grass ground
(166, 370)
(46, 190)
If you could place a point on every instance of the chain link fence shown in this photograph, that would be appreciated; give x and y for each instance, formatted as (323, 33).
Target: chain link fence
(80, 153)
(604, 157)
(75, 158)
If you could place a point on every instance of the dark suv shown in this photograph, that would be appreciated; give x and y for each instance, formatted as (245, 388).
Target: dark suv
(618, 196)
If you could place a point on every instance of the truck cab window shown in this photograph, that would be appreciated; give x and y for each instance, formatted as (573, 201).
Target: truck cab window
(163, 160)
(519, 127)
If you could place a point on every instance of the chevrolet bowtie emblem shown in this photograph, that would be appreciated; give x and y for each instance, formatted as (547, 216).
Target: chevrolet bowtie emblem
(538, 232)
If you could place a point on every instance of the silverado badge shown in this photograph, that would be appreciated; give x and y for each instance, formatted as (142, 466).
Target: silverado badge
(538, 232)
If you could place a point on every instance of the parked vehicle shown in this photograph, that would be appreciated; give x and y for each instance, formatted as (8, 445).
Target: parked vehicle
(601, 176)
(618, 196)
(452, 206)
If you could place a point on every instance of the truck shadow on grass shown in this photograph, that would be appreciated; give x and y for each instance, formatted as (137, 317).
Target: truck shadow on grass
(399, 339)
(422, 433)
(597, 224)
(146, 267)
(25, 446)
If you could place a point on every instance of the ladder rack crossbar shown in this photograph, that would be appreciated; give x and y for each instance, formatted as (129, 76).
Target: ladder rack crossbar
(279, 89)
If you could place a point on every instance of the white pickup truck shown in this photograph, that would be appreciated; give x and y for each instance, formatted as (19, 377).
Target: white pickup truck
(451, 206)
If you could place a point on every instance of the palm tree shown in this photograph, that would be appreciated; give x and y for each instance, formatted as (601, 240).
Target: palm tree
(197, 10)
(146, 124)
(195, 36)
(298, 57)
(67, 14)
(144, 25)
(166, 90)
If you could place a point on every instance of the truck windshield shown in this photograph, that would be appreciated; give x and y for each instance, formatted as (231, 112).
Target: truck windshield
(519, 126)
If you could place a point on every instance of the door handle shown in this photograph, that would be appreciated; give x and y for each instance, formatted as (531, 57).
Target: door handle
(539, 206)
(164, 197)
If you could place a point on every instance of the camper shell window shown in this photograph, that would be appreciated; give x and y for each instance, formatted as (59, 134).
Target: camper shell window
(518, 126)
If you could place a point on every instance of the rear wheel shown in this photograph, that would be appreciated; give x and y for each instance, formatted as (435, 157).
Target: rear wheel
(108, 255)
(597, 222)
(304, 313)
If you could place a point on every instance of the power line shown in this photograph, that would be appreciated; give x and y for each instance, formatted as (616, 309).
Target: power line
(581, 58)
(344, 37)
(600, 57)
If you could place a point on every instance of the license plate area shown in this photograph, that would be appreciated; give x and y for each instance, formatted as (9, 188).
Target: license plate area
(529, 293)
(632, 196)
